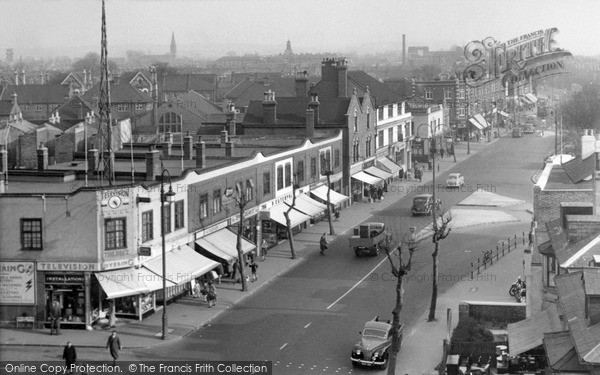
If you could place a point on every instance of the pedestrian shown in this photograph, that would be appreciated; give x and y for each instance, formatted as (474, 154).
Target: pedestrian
(442, 152)
(253, 268)
(211, 295)
(323, 244)
(113, 344)
(401, 174)
(429, 165)
(55, 316)
(197, 289)
(385, 186)
(337, 215)
(70, 356)
(265, 247)
(379, 193)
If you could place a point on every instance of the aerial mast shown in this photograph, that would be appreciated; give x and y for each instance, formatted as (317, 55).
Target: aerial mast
(107, 156)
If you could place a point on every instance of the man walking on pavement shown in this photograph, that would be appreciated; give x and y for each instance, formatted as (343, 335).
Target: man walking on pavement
(113, 344)
(253, 268)
(70, 356)
(323, 243)
(55, 315)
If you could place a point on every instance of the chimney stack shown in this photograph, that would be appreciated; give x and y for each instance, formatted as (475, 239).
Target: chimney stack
(200, 154)
(230, 116)
(52, 120)
(229, 148)
(342, 78)
(152, 164)
(93, 160)
(310, 123)
(403, 50)
(269, 108)
(188, 147)
(301, 84)
(42, 157)
(314, 105)
(23, 81)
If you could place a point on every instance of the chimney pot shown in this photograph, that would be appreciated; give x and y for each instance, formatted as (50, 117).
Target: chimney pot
(200, 154)
(188, 147)
(152, 165)
(42, 157)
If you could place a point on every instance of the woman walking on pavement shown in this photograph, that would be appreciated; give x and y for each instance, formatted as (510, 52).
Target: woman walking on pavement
(113, 344)
(323, 244)
(211, 295)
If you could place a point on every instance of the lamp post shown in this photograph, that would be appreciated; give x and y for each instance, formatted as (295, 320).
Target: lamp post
(165, 197)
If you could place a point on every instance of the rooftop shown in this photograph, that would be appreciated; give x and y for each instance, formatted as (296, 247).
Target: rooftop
(560, 180)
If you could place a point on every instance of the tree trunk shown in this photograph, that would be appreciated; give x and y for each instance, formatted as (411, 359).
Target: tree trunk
(239, 248)
(288, 222)
(331, 230)
(434, 285)
(393, 352)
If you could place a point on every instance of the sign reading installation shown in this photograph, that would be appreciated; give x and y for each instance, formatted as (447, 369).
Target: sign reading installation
(530, 56)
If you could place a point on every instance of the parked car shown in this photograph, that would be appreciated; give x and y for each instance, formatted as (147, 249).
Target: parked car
(375, 340)
(423, 204)
(455, 180)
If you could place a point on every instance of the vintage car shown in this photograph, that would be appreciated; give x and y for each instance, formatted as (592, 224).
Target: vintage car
(423, 204)
(455, 180)
(375, 340)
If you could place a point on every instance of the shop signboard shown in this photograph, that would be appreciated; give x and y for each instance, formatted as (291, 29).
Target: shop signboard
(17, 283)
(67, 266)
(67, 279)
(115, 201)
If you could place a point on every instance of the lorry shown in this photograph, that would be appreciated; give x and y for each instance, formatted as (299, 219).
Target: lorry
(369, 238)
(375, 341)
(517, 132)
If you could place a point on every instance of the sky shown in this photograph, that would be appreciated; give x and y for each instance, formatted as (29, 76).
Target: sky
(211, 28)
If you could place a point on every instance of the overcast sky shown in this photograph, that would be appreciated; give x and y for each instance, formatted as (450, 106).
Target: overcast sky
(213, 27)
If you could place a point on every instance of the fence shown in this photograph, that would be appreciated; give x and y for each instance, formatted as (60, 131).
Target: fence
(487, 259)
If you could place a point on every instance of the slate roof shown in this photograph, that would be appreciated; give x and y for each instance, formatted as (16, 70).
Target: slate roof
(591, 276)
(579, 169)
(381, 93)
(187, 82)
(580, 253)
(560, 179)
(72, 110)
(248, 90)
(6, 108)
(292, 110)
(37, 94)
(561, 352)
(122, 92)
(529, 333)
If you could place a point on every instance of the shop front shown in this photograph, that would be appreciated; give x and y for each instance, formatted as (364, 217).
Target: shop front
(336, 199)
(364, 186)
(70, 291)
(386, 164)
(274, 226)
(377, 172)
(309, 207)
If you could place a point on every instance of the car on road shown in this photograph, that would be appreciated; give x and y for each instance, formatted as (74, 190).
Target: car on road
(423, 204)
(517, 132)
(375, 340)
(369, 238)
(455, 180)
(528, 128)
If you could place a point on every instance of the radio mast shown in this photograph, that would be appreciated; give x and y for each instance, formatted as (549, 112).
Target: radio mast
(107, 156)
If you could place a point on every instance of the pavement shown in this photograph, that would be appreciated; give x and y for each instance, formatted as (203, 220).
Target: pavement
(421, 348)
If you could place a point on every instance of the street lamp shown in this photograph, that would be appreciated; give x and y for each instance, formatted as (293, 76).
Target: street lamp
(165, 197)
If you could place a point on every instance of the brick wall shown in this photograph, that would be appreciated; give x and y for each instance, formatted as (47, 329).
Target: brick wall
(495, 313)
(64, 147)
(546, 204)
(28, 144)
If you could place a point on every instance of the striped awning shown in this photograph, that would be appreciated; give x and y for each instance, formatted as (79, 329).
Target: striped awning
(476, 123)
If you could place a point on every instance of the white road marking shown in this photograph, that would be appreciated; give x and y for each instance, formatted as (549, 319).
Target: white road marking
(283, 346)
(306, 326)
(361, 280)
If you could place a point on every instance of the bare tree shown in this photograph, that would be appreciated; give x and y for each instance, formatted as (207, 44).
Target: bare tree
(440, 231)
(241, 199)
(288, 222)
(399, 270)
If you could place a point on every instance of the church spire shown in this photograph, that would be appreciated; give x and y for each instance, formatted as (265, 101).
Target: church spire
(173, 46)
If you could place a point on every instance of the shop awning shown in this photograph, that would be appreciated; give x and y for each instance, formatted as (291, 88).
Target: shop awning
(121, 283)
(476, 123)
(152, 280)
(378, 173)
(532, 98)
(183, 265)
(525, 100)
(504, 114)
(334, 196)
(529, 333)
(482, 120)
(307, 205)
(223, 244)
(389, 165)
(296, 217)
(367, 178)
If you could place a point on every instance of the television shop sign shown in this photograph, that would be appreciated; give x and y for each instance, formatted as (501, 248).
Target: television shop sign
(17, 283)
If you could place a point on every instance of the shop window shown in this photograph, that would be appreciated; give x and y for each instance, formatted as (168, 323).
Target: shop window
(147, 226)
(179, 215)
(203, 206)
(300, 171)
(114, 232)
(31, 234)
(313, 167)
(217, 203)
(266, 183)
